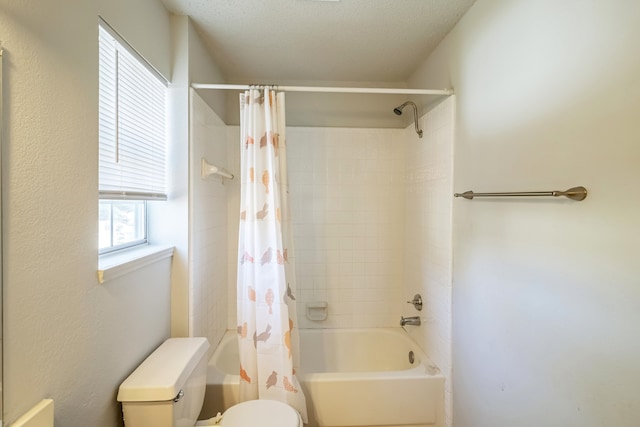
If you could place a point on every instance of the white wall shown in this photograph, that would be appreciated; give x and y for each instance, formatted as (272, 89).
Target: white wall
(208, 261)
(347, 208)
(169, 221)
(427, 235)
(66, 337)
(194, 218)
(202, 69)
(151, 41)
(372, 214)
(182, 219)
(347, 219)
(208, 199)
(233, 221)
(546, 300)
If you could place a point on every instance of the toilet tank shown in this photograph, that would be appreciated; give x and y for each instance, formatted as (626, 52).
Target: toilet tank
(167, 389)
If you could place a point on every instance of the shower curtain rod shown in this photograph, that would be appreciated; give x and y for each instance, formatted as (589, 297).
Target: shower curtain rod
(372, 90)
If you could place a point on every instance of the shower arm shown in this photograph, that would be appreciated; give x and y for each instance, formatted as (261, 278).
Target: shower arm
(415, 120)
(398, 111)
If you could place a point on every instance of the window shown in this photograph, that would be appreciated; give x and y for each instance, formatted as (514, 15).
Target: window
(132, 141)
(122, 223)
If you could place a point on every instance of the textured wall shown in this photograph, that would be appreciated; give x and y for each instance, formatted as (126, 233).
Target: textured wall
(66, 337)
(546, 300)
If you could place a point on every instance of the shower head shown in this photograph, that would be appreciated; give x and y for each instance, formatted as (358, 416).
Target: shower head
(399, 108)
(398, 111)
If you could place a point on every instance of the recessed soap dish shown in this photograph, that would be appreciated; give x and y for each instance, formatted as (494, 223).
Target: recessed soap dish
(317, 310)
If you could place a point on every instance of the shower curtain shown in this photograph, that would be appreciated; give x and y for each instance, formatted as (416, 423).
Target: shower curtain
(266, 277)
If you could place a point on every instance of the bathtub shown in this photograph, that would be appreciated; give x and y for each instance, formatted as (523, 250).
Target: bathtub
(350, 377)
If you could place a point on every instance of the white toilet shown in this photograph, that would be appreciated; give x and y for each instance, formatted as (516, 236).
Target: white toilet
(167, 390)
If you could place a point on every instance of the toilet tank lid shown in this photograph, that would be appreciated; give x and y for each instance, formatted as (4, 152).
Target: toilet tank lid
(161, 376)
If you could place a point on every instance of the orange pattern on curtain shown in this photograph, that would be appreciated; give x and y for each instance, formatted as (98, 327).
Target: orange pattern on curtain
(267, 332)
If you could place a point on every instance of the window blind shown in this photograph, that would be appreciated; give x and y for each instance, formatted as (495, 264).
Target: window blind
(132, 125)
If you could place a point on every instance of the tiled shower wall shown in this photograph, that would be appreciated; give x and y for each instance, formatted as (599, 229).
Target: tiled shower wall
(428, 240)
(208, 220)
(372, 226)
(347, 206)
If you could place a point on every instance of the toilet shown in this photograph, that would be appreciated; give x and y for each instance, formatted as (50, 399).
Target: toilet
(167, 390)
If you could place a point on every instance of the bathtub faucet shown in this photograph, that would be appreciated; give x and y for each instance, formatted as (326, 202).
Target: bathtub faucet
(411, 320)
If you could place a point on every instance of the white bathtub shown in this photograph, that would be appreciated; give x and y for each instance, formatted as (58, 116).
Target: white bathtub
(350, 377)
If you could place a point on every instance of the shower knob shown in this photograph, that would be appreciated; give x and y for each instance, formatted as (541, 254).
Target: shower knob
(416, 301)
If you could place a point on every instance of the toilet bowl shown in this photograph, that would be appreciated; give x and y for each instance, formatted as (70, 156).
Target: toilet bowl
(167, 390)
(262, 413)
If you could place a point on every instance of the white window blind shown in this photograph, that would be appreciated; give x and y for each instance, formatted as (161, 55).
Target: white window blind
(132, 125)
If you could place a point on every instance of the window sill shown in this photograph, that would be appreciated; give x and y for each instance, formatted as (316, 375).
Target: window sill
(118, 264)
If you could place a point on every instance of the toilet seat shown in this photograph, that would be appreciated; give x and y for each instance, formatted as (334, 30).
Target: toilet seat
(261, 413)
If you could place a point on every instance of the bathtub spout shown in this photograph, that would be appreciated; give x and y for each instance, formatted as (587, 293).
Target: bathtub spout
(412, 320)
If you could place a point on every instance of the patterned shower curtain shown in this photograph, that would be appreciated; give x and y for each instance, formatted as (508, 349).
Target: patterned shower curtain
(267, 334)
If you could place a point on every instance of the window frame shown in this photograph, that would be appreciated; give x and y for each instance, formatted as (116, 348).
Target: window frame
(132, 243)
(113, 197)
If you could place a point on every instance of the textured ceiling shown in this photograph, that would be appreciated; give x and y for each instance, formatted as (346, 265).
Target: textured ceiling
(264, 41)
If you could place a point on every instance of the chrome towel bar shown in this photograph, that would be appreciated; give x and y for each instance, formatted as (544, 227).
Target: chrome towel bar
(574, 193)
